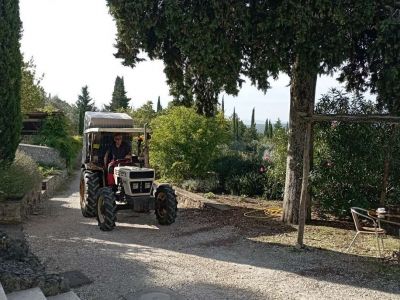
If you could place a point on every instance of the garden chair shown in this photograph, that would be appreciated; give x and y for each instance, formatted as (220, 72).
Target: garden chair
(359, 214)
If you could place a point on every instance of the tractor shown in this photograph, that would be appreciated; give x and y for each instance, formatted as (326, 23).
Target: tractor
(106, 187)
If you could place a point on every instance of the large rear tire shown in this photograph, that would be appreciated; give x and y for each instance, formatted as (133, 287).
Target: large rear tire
(166, 205)
(88, 188)
(106, 209)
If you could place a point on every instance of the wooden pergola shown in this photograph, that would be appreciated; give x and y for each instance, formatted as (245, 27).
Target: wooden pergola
(319, 118)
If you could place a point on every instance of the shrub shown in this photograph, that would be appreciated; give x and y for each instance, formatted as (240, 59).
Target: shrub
(47, 170)
(276, 171)
(185, 143)
(22, 176)
(209, 184)
(54, 133)
(210, 195)
(349, 158)
(250, 184)
(233, 163)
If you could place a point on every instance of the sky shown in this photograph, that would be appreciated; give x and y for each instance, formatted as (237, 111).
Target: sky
(72, 44)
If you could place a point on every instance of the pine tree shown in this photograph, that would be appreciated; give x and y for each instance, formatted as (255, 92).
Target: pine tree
(159, 107)
(84, 103)
(119, 99)
(10, 80)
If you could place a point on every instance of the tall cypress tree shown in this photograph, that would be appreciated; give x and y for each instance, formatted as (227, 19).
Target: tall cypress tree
(252, 129)
(119, 99)
(10, 80)
(266, 129)
(253, 122)
(84, 103)
(223, 106)
(234, 124)
(159, 107)
(271, 129)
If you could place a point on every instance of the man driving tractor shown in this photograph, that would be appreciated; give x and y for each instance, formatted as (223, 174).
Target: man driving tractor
(118, 150)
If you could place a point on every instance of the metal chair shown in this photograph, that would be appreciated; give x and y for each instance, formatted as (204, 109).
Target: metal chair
(358, 213)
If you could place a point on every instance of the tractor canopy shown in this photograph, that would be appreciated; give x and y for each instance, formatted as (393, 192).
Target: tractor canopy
(99, 129)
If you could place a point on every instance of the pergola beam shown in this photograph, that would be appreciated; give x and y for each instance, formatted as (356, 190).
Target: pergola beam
(315, 118)
(373, 118)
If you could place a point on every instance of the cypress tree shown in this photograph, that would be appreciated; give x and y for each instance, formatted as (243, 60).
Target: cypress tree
(237, 127)
(10, 80)
(234, 124)
(223, 106)
(253, 130)
(271, 130)
(119, 99)
(266, 129)
(84, 103)
(159, 107)
(253, 122)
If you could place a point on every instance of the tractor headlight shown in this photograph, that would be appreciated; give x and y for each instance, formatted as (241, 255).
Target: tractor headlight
(135, 185)
(147, 185)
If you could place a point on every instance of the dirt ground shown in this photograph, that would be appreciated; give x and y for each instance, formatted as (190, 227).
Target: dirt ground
(205, 254)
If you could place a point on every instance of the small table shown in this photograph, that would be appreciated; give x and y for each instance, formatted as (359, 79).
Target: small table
(385, 217)
(390, 218)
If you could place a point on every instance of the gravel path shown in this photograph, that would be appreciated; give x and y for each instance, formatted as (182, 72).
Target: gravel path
(197, 257)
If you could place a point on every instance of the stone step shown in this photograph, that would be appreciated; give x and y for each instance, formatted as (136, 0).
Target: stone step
(2, 293)
(65, 296)
(31, 294)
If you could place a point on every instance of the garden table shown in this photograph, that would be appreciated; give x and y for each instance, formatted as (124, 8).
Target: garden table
(390, 218)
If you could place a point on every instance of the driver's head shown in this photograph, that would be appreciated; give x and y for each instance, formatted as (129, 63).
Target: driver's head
(118, 139)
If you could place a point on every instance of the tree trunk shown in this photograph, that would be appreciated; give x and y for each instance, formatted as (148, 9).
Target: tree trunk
(302, 99)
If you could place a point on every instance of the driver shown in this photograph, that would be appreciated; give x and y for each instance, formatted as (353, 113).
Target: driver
(118, 150)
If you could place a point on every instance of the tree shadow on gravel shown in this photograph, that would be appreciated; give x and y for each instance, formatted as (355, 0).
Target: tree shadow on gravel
(225, 236)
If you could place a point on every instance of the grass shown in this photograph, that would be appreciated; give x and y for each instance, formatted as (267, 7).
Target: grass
(333, 235)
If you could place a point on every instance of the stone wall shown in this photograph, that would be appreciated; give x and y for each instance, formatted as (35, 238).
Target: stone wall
(52, 183)
(43, 155)
(15, 211)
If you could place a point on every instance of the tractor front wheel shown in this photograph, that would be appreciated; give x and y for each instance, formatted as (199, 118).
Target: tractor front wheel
(88, 188)
(106, 209)
(166, 205)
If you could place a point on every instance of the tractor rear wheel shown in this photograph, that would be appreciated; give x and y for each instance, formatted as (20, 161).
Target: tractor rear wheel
(106, 209)
(88, 188)
(166, 205)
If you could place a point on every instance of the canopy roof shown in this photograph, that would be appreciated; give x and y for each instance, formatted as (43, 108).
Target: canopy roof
(119, 130)
(107, 119)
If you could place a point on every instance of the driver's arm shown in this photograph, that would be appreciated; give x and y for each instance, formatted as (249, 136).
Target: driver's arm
(129, 149)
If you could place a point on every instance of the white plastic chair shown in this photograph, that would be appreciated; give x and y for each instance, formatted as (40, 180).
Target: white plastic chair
(358, 213)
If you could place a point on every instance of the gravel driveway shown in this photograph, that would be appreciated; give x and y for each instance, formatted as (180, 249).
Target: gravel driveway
(204, 255)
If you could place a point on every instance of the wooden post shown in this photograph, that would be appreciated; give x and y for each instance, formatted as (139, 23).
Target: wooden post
(304, 186)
